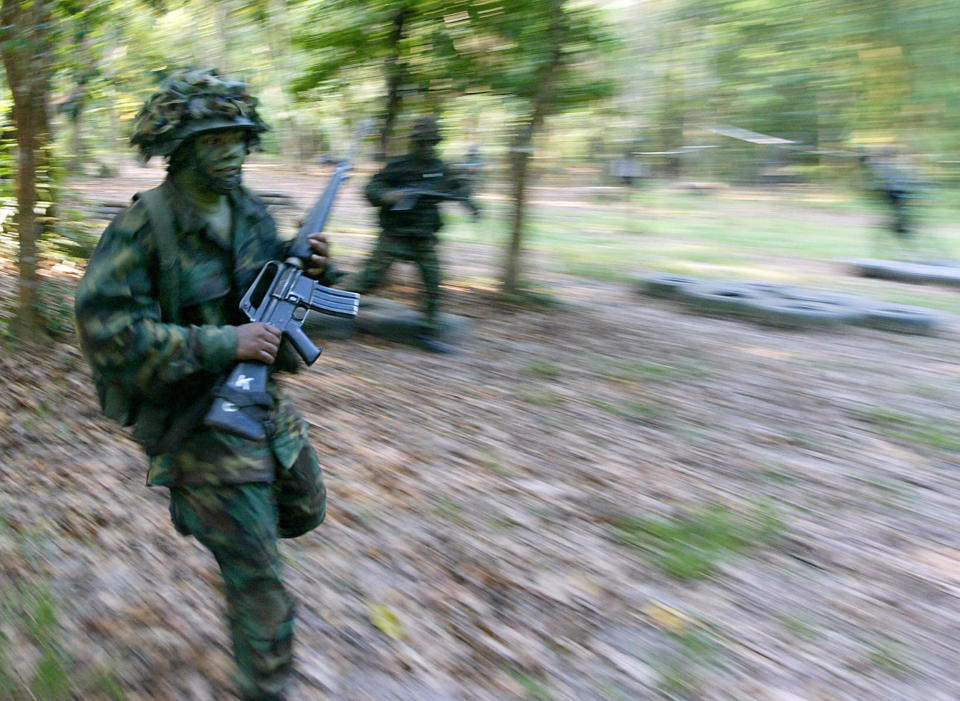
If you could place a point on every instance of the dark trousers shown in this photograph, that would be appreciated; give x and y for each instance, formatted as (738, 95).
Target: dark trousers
(241, 524)
(419, 250)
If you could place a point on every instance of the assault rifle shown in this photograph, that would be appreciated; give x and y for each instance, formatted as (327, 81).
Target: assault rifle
(281, 296)
(412, 194)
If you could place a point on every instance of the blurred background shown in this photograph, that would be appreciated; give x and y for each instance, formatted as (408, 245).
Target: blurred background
(661, 81)
(600, 497)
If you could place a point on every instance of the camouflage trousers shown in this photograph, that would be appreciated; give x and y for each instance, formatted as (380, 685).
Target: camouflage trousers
(241, 524)
(420, 250)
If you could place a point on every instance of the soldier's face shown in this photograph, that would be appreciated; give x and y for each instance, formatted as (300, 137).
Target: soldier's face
(423, 148)
(219, 158)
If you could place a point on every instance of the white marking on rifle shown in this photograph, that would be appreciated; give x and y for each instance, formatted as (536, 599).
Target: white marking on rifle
(243, 382)
(230, 407)
(433, 175)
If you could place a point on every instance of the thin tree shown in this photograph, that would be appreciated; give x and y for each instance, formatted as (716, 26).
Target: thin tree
(547, 61)
(26, 45)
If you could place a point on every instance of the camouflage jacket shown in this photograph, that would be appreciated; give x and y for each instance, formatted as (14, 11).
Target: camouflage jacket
(423, 219)
(172, 365)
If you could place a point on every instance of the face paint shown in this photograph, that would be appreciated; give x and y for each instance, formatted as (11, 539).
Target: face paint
(218, 159)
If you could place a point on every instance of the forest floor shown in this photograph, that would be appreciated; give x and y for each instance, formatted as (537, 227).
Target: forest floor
(604, 498)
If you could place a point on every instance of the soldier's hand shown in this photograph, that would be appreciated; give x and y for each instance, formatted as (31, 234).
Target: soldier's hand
(256, 341)
(318, 260)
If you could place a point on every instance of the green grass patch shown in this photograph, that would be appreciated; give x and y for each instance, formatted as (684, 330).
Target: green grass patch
(29, 608)
(691, 546)
(30, 620)
(534, 688)
(890, 656)
(914, 429)
(645, 371)
(800, 628)
(541, 398)
(544, 369)
(681, 669)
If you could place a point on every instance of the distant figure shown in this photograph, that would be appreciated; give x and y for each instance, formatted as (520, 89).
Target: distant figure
(889, 180)
(473, 160)
(626, 169)
(407, 192)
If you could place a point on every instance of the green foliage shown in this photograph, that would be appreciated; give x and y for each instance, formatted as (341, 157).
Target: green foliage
(55, 306)
(691, 546)
(72, 242)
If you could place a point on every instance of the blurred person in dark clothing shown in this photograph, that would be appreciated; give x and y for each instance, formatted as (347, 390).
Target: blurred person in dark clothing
(893, 184)
(410, 233)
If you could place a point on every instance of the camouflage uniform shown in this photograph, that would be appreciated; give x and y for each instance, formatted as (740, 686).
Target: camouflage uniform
(410, 235)
(236, 496)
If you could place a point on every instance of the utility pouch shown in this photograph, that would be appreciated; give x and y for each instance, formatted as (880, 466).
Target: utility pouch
(161, 429)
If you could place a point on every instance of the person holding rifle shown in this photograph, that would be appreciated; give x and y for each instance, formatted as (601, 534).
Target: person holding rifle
(407, 192)
(158, 319)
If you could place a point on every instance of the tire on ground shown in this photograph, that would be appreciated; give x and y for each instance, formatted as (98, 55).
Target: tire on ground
(903, 319)
(806, 313)
(902, 271)
(725, 298)
(666, 285)
(774, 289)
(837, 299)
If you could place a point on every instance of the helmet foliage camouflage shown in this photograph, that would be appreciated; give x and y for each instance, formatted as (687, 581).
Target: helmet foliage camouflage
(193, 101)
(425, 129)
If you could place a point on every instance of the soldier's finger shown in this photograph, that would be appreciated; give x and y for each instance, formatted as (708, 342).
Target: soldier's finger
(270, 333)
(269, 347)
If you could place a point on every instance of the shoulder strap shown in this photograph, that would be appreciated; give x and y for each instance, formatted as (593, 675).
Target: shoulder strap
(161, 223)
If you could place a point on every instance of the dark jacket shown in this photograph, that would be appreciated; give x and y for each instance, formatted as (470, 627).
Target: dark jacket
(423, 219)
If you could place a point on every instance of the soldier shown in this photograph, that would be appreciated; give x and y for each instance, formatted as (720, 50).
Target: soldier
(409, 230)
(159, 323)
(891, 182)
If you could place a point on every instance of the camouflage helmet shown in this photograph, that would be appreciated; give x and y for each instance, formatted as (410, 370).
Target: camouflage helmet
(190, 102)
(425, 129)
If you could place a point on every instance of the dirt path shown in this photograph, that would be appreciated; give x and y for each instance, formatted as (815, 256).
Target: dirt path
(473, 548)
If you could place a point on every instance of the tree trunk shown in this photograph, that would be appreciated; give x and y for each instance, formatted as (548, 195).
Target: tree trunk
(523, 147)
(27, 59)
(519, 166)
